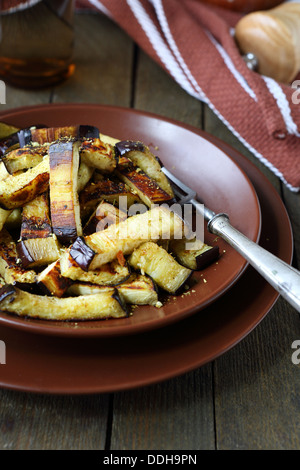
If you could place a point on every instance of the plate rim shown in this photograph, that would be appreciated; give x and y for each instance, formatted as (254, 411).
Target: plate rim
(271, 192)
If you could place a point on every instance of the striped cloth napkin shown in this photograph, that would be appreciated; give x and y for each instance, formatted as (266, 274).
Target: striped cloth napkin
(194, 43)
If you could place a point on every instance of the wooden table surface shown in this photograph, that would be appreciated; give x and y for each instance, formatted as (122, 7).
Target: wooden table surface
(246, 399)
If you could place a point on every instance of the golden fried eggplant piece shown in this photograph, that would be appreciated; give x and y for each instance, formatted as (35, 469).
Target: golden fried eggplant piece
(98, 154)
(17, 190)
(157, 263)
(24, 158)
(98, 306)
(140, 183)
(64, 201)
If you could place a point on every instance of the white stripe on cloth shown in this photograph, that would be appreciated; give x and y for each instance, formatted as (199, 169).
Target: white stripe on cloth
(101, 7)
(283, 105)
(229, 64)
(160, 47)
(173, 46)
(21, 6)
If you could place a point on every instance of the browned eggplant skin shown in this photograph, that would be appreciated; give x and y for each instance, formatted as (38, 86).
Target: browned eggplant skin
(132, 174)
(96, 191)
(122, 303)
(48, 135)
(143, 183)
(53, 283)
(65, 235)
(57, 148)
(12, 271)
(42, 134)
(86, 131)
(125, 146)
(207, 257)
(6, 290)
(20, 138)
(81, 253)
(23, 158)
(61, 151)
(24, 254)
(107, 190)
(33, 226)
(42, 230)
(37, 186)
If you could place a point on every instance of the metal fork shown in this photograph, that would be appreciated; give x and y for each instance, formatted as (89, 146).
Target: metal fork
(284, 278)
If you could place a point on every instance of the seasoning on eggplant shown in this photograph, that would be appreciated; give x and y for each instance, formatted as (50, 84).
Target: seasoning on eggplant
(51, 134)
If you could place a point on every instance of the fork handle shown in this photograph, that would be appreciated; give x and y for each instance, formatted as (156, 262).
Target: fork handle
(284, 278)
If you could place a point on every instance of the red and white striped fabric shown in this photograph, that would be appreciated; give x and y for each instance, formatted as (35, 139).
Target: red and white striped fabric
(194, 43)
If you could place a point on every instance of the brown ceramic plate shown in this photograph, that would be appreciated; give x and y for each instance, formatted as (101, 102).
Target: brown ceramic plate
(220, 182)
(48, 364)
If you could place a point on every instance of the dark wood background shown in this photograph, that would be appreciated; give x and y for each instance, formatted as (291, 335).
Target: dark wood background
(246, 399)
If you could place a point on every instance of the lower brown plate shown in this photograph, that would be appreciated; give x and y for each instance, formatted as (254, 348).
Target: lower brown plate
(48, 364)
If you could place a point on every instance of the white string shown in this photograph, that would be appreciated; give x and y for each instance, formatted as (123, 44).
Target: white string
(101, 7)
(229, 64)
(283, 105)
(171, 41)
(160, 46)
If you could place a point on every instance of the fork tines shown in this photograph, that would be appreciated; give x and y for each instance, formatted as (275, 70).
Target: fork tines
(183, 193)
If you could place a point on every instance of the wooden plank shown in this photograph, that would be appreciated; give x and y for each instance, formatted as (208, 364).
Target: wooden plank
(174, 415)
(43, 422)
(257, 387)
(158, 93)
(292, 203)
(103, 58)
(256, 383)
(16, 97)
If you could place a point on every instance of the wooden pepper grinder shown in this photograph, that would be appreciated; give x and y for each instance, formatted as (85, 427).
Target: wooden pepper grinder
(273, 37)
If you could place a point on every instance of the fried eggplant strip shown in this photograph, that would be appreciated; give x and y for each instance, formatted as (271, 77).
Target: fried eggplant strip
(84, 307)
(64, 203)
(155, 261)
(102, 247)
(17, 190)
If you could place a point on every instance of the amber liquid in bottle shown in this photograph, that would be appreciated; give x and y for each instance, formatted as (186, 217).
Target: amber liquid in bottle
(36, 43)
